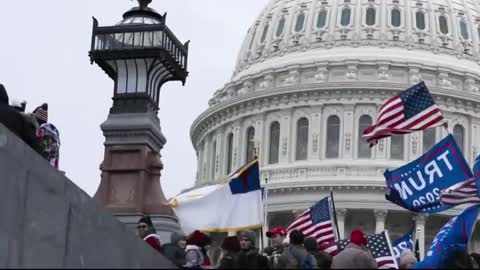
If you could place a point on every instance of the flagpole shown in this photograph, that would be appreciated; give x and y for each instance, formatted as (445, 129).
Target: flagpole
(335, 215)
(265, 212)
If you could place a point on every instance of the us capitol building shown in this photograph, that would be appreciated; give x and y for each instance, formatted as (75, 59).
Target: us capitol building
(310, 77)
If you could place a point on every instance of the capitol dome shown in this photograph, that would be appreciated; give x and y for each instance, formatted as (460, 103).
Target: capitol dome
(310, 77)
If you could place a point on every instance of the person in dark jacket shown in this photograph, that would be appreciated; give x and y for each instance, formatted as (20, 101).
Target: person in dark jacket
(249, 256)
(277, 240)
(356, 255)
(147, 232)
(230, 250)
(15, 122)
(175, 250)
(296, 256)
(324, 260)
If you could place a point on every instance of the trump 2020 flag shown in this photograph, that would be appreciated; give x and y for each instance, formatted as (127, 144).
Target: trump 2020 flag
(454, 236)
(231, 206)
(417, 185)
(476, 174)
(404, 243)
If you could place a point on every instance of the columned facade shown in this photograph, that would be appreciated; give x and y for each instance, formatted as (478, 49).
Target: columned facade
(311, 76)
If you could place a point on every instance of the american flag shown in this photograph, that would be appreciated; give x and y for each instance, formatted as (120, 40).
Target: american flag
(379, 245)
(316, 222)
(464, 192)
(412, 110)
(41, 114)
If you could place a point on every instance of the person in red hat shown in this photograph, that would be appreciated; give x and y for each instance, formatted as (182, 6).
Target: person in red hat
(356, 255)
(275, 250)
(196, 255)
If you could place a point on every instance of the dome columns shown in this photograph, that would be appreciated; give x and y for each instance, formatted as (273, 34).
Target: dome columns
(380, 217)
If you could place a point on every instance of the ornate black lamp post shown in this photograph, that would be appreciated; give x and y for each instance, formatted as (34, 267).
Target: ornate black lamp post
(140, 54)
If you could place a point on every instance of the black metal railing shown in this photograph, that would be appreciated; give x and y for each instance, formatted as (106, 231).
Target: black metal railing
(139, 37)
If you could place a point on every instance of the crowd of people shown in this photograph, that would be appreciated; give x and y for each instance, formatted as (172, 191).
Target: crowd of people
(33, 128)
(292, 251)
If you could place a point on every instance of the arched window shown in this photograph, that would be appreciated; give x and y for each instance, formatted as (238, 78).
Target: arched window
(464, 29)
(371, 16)
(280, 27)
(478, 30)
(302, 139)
(264, 34)
(345, 19)
(443, 23)
(458, 134)
(213, 160)
(300, 22)
(397, 143)
(274, 143)
(420, 20)
(229, 152)
(428, 139)
(364, 150)
(322, 19)
(250, 144)
(396, 17)
(333, 137)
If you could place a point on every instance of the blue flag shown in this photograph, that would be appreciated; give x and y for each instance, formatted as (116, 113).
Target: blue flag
(417, 185)
(476, 173)
(406, 242)
(452, 237)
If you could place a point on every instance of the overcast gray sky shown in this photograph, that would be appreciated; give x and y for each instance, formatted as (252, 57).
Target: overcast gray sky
(44, 58)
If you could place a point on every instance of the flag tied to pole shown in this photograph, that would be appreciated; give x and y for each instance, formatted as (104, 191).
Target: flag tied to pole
(234, 205)
(417, 185)
(412, 110)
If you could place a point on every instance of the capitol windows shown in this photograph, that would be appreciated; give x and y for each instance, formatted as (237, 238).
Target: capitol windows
(322, 19)
(464, 29)
(333, 137)
(345, 17)
(300, 22)
(371, 16)
(229, 152)
(302, 139)
(397, 143)
(280, 27)
(428, 139)
(250, 155)
(458, 134)
(443, 23)
(364, 150)
(420, 20)
(396, 17)
(274, 146)
(264, 34)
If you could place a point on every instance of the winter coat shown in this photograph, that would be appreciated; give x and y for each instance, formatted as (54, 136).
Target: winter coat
(194, 257)
(16, 123)
(153, 240)
(354, 257)
(174, 253)
(229, 261)
(324, 260)
(273, 255)
(251, 259)
(293, 256)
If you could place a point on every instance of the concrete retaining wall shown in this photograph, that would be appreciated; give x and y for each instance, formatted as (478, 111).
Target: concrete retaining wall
(46, 221)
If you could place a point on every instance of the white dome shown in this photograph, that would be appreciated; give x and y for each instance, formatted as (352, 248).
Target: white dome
(301, 96)
(289, 26)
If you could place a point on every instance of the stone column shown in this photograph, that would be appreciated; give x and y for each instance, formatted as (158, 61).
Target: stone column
(341, 214)
(420, 221)
(380, 217)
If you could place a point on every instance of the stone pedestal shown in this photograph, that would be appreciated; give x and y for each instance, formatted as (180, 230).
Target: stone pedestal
(130, 185)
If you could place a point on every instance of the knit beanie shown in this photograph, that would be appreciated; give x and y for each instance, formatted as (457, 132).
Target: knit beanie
(358, 238)
(147, 220)
(250, 235)
(198, 238)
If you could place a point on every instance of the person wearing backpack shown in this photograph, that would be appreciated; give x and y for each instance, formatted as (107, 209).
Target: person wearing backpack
(296, 256)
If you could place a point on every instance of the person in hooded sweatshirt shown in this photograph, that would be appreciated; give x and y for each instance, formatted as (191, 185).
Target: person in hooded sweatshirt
(356, 255)
(296, 255)
(175, 250)
(324, 260)
(147, 232)
(15, 122)
(249, 256)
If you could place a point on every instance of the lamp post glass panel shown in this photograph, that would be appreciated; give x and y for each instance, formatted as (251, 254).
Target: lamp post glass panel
(140, 54)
